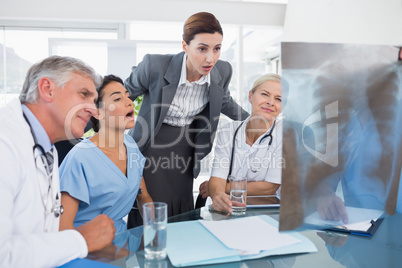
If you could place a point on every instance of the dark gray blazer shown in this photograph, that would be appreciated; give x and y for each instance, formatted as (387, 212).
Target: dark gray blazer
(157, 78)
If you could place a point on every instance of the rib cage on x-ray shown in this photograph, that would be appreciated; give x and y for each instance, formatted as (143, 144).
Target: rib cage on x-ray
(348, 97)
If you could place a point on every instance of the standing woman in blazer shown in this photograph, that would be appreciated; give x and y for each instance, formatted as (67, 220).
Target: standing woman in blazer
(183, 96)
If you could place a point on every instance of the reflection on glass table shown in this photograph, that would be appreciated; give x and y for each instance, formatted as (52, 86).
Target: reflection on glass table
(384, 249)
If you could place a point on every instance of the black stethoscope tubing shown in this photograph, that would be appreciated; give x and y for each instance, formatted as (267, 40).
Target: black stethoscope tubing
(57, 210)
(261, 140)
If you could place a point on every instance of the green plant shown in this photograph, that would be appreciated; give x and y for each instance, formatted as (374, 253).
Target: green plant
(137, 104)
(89, 133)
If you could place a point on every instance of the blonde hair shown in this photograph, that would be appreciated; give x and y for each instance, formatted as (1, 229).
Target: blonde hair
(265, 78)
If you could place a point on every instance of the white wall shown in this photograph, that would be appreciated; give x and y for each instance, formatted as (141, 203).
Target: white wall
(344, 21)
(228, 12)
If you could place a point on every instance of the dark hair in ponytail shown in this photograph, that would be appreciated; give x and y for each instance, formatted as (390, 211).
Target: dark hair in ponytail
(106, 81)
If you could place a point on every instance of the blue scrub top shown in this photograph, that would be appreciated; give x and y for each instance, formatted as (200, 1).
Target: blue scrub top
(88, 175)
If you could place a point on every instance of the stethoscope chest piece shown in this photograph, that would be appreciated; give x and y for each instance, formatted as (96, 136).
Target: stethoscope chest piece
(58, 210)
(254, 168)
(255, 162)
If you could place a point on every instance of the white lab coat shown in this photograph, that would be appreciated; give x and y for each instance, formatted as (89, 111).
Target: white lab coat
(268, 156)
(27, 237)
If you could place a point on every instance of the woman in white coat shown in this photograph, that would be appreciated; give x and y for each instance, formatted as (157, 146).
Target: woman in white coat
(257, 149)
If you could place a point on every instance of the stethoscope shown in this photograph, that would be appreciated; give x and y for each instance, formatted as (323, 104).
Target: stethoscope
(57, 209)
(254, 167)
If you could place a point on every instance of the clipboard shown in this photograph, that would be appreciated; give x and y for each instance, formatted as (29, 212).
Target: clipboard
(367, 227)
(264, 201)
(369, 232)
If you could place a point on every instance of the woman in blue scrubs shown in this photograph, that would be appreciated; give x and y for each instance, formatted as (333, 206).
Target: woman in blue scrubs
(103, 174)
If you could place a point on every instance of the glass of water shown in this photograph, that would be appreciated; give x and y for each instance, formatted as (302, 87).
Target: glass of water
(155, 223)
(238, 194)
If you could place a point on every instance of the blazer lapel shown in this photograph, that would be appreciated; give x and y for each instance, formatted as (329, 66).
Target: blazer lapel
(172, 76)
(215, 98)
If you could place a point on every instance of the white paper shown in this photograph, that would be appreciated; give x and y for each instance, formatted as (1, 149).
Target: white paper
(249, 235)
(359, 219)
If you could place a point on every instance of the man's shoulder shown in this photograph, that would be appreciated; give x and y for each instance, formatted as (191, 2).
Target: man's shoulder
(11, 125)
(9, 111)
(16, 145)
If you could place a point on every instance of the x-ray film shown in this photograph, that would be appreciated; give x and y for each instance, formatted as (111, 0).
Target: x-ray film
(342, 131)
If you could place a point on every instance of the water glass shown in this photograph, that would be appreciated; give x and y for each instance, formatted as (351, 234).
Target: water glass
(238, 194)
(155, 264)
(155, 223)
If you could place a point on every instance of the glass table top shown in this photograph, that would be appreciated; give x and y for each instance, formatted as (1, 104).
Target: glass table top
(384, 249)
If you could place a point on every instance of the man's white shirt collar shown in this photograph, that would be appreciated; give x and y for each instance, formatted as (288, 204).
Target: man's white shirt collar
(37, 128)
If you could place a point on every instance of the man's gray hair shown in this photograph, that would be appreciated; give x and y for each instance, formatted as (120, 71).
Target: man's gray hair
(59, 70)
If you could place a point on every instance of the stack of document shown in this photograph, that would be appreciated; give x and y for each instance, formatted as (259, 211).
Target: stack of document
(207, 242)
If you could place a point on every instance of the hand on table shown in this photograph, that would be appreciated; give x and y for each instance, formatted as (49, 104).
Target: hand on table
(332, 208)
(221, 202)
(98, 233)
